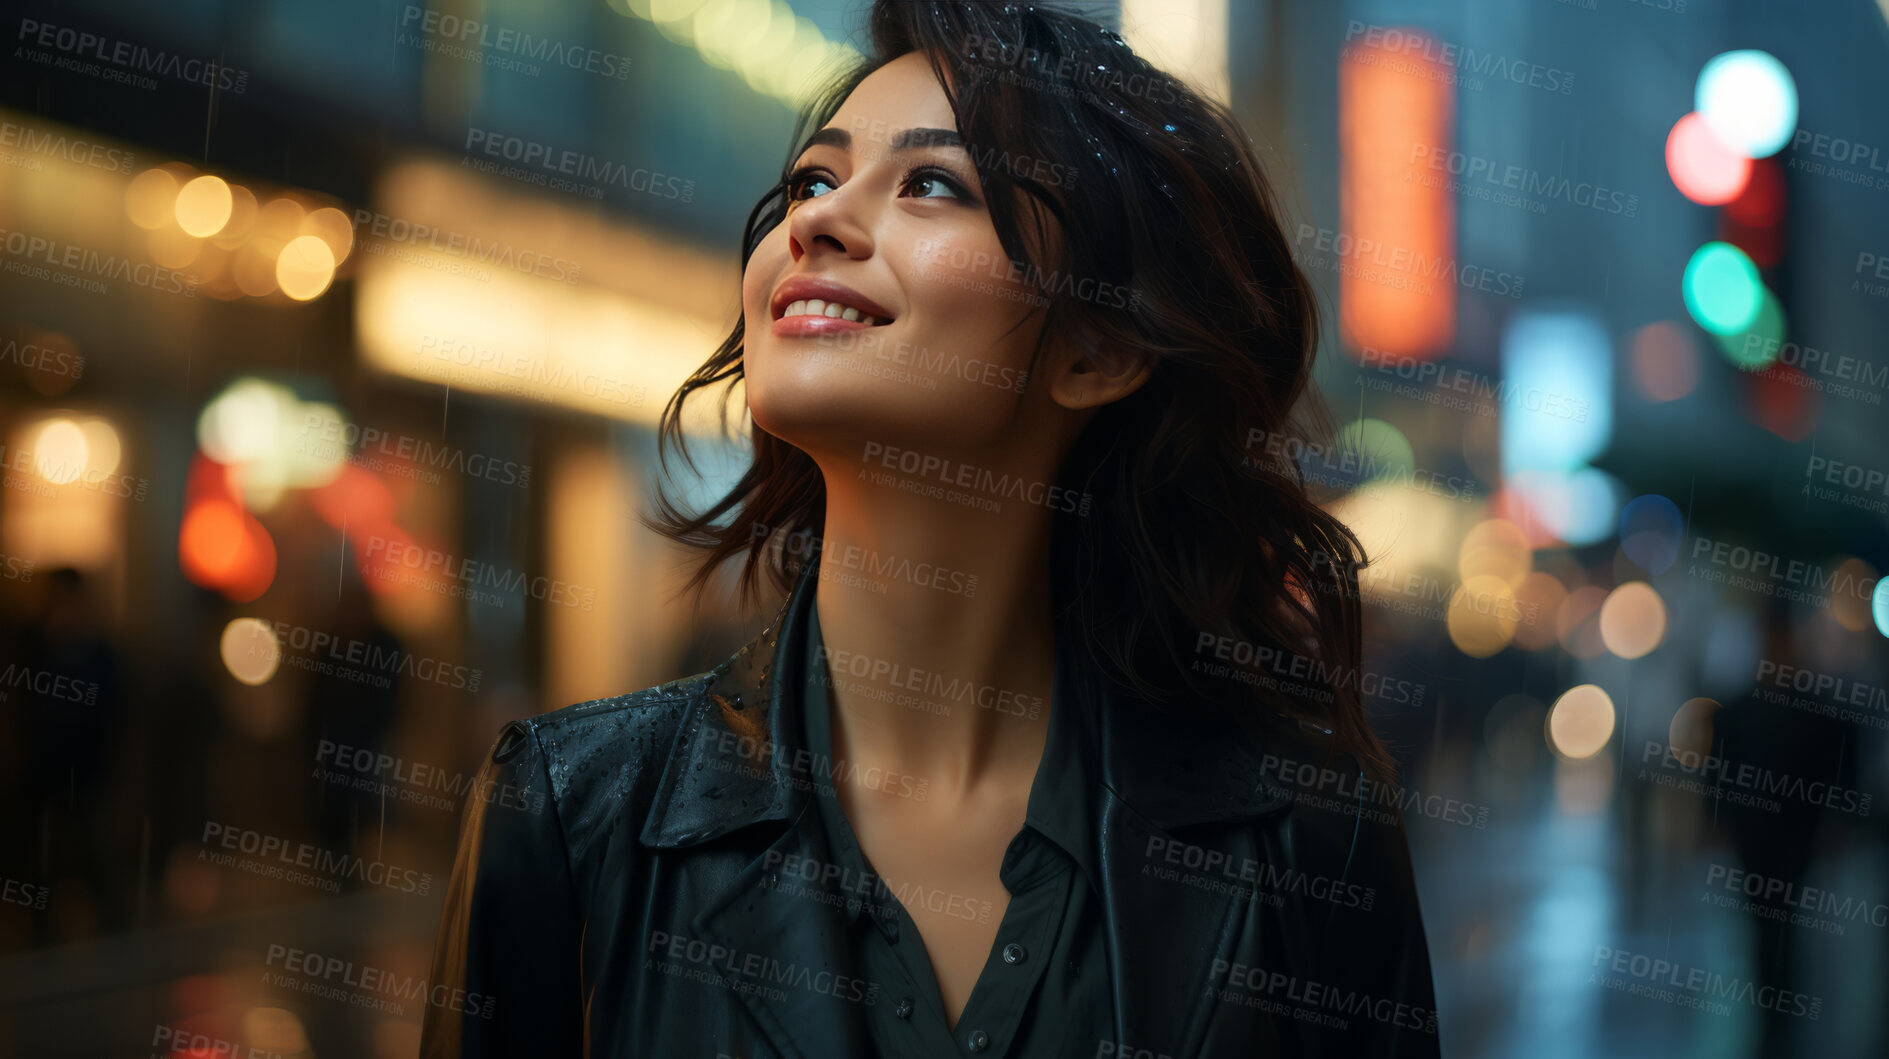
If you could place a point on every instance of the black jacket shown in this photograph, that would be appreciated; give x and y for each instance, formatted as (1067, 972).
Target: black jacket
(618, 892)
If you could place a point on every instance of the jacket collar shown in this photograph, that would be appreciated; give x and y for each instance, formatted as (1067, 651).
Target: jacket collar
(739, 760)
(740, 754)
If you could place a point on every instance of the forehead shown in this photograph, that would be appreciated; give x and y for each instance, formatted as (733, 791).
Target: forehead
(903, 93)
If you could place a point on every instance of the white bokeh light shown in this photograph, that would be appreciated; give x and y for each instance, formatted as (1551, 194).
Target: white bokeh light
(1749, 100)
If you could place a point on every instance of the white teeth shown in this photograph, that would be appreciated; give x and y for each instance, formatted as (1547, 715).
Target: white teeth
(819, 307)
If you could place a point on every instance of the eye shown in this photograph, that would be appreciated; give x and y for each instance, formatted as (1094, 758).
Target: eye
(801, 184)
(932, 183)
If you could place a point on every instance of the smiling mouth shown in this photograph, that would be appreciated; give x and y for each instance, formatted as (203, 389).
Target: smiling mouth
(840, 310)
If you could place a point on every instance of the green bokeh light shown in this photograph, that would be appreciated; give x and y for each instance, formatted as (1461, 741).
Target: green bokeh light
(1756, 347)
(1722, 289)
(1376, 450)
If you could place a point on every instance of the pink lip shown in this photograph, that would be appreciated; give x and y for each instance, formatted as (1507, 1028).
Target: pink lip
(796, 288)
(804, 326)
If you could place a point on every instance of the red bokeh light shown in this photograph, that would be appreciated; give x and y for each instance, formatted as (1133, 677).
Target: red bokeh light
(1703, 168)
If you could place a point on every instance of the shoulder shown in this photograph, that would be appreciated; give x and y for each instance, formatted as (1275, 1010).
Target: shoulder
(1348, 836)
(594, 766)
(633, 730)
(1339, 813)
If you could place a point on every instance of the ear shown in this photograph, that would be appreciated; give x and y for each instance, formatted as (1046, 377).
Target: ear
(1090, 378)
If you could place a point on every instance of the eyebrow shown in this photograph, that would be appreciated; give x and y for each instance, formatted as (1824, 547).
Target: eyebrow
(905, 140)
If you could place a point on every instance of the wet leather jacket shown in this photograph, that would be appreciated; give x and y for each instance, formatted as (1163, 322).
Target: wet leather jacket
(625, 899)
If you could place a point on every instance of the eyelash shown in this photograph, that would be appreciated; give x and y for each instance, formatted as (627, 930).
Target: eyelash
(798, 180)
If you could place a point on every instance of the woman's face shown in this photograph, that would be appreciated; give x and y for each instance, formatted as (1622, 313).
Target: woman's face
(886, 217)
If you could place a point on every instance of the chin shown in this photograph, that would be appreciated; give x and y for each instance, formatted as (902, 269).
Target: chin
(835, 396)
(801, 397)
(834, 412)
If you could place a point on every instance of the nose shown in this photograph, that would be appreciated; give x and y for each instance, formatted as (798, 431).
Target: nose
(833, 223)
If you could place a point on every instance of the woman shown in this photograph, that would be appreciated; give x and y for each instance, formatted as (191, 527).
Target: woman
(1020, 336)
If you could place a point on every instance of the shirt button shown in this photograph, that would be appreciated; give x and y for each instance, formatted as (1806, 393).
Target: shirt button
(980, 1041)
(904, 1008)
(1013, 953)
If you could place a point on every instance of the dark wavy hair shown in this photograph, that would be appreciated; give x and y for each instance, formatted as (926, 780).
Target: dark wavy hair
(1193, 532)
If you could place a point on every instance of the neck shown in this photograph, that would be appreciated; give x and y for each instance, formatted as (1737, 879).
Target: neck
(937, 623)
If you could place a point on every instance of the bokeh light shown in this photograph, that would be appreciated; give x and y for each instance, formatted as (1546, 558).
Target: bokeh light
(1690, 733)
(1633, 620)
(1722, 290)
(1577, 622)
(151, 197)
(240, 424)
(272, 440)
(1762, 203)
(277, 222)
(1538, 598)
(1651, 532)
(1758, 343)
(210, 542)
(1784, 401)
(250, 650)
(243, 213)
(1576, 507)
(1847, 608)
(1749, 100)
(58, 366)
(1580, 722)
(204, 206)
(103, 451)
(1378, 449)
(1482, 616)
(1754, 221)
(1556, 362)
(305, 267)
(173, 247)
(1704, 168)
(274, 1031)
(333, 228)
(1665, 361)
(59, 451)
(1495, 547)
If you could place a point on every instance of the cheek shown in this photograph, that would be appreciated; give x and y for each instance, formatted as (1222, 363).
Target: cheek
(967, 301)
(764, 269)
(955, 273)
(965, 287)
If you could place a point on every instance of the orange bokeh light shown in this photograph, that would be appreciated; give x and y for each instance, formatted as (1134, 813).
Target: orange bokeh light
(257, 573)
(1399, 215)
(221, 545)
(212, 542)
(356, 498)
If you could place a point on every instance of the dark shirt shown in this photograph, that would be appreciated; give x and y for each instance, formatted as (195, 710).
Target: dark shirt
(1044, 987)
